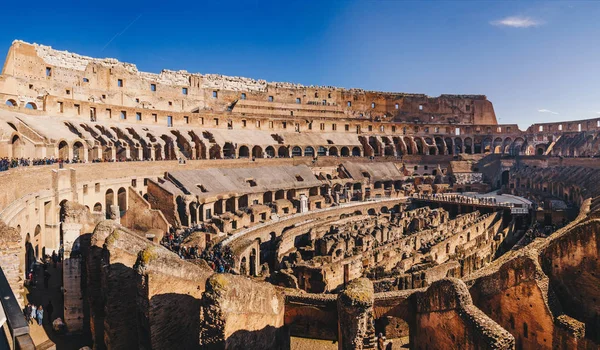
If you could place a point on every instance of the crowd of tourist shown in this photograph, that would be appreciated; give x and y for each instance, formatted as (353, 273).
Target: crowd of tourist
(220, 258)
(175, 238)
(462, 199)
(7, 163)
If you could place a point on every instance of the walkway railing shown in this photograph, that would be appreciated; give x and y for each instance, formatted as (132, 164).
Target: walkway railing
(15, 325)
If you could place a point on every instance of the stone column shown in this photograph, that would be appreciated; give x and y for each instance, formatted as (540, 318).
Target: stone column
(303, 203)
(356, 329)
(73, 300)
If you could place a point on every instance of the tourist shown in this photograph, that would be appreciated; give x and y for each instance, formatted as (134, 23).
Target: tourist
(33, 314)
(40, 315)
(27, 312)
(54, 258)
(380, 342)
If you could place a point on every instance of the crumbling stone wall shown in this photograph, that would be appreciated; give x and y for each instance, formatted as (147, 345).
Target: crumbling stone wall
(169, 292)
(571, 263)
(445, 314)
(240, 313)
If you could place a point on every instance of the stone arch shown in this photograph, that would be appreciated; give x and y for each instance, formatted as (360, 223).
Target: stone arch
(257, 152)
(17, 146)
(458, 145)
(449, 145)
(439, 143)
(122, 200)
(468, 144)
(78, 151)
(228, 150)
(321, 151)
(309, 151)
(270, 152)
(296, 151)
(356, 152)
(282, 152)
(63, 150)
(31, 105)
(409, 145)
(497, 145)
(109, 200)
(98, 207)
(215, 151)
(267, 197)
(344, 152)
(333, 151)
(244, 152)
(11, 103)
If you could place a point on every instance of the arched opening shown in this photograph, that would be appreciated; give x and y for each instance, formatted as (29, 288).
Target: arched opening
(243, 201)
(228, 150)
(109, 200)
(122, 200)
(468, 145)
(253, 263)
(31, 105)
(63, 150)
(291, 194)
(355, 152)
(458, 145)
(244, 152)
(78, 151)
(17, 147)
(439, 143)
(333, 151)
(267, 197)
(270, 151)
(282, 152)
(540, 151)
(214, 152)
(309, 151)
(257, 152)
(297, 151)
(280, 194)
(505, 177)
(29, 255)
(11, 103)
(98, 207)
(419, 143)
(322, 151)
(182, 212)
(243, 267)
(345, 152)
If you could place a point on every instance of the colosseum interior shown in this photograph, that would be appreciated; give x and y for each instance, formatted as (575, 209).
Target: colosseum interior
(190, 211)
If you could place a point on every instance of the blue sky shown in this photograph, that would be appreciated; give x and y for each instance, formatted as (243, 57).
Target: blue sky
(536, 61)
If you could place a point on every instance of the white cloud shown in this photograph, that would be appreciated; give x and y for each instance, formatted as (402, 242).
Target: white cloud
(517, 22)
(547, 111)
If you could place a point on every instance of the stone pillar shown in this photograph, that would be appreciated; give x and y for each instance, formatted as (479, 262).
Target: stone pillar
(152, 153)
(303, 203)
(356, 329)
(113, 152)
(73, 300)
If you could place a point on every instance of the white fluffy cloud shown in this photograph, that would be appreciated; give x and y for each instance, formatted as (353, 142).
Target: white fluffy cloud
(517, 22)
(547, 111)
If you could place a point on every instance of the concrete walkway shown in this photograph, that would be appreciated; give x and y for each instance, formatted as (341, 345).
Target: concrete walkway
(44, 336)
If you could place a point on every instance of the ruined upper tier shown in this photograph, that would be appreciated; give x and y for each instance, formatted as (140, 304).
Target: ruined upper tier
(37, 71)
